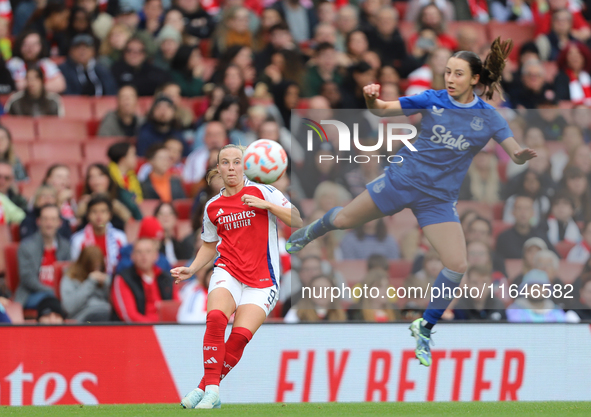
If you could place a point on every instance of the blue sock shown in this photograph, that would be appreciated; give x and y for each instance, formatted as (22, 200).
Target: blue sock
(325, 224)
(450, 280)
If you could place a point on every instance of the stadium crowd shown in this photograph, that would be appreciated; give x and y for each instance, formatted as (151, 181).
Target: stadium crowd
(115, 110)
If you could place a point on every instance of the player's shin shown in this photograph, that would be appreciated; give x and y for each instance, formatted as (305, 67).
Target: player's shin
(235, 345)
(214, 348)
(442, 292)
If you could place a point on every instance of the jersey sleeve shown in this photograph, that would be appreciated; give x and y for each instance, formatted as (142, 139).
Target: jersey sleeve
(503, 131)
(209, 232)
(273, 195)
(411, 104)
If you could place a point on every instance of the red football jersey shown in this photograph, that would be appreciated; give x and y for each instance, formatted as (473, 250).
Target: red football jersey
(247, 236)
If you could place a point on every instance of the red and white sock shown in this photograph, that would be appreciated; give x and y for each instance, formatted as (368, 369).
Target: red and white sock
(235, 345)
(214, 348)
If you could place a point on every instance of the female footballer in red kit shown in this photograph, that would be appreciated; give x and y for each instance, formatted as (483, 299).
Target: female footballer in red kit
(240, 232)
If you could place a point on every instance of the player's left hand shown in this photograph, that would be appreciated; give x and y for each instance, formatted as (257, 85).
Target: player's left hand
(525, 154)
(252, 201)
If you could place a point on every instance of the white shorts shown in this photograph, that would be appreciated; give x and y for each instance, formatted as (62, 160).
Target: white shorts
(265, 298)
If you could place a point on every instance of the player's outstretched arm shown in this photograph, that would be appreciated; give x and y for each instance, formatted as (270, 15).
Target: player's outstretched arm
(287, 215)
(378, 107)
(518, 154)
(204, 256)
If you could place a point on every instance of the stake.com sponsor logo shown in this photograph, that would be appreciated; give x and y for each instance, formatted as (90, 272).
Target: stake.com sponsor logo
(345, 140)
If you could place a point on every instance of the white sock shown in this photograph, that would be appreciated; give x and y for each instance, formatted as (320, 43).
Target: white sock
(198, 389)
(215, 388)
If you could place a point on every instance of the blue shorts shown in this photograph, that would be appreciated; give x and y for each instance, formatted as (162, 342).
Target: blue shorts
(392, 195)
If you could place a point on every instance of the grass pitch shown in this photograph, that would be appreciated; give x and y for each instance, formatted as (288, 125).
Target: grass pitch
(472, 409)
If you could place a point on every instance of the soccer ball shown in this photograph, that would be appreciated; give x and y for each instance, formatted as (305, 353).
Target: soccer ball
(265, 161)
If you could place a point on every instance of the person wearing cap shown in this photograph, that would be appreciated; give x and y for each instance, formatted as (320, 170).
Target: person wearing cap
(36, 256)
(150, 228)
(161, 124)
(84, 75)
(34, 100)
(124, 120)
(510, 242)
(137, 290)
(49, 311)
(535, 308)
(531, 247)
(100, 232)
(134, 69)
(168, 40)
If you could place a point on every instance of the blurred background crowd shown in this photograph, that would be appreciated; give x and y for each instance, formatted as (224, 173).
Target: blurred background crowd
(114, 111)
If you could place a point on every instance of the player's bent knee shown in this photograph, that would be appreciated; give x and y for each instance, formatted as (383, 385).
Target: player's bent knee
(458, 266)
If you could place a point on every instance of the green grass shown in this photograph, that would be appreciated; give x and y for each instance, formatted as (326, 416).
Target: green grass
(472, 409)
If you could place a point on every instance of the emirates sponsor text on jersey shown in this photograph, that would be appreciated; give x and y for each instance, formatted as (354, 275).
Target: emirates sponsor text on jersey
(236, 220)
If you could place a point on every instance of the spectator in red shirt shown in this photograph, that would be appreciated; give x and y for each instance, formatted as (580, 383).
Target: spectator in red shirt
(36, 256)
(137, 290)
(542, 11)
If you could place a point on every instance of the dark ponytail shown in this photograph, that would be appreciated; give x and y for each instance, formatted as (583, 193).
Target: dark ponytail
(492, 69)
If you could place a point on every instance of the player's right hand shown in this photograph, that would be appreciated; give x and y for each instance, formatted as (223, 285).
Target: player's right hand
(371, 92)
(181, 273)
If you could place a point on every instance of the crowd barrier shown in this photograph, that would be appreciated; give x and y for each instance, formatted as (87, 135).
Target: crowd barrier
(296, 363)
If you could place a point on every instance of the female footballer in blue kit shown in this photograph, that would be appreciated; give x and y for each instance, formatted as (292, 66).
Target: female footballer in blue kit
(456, 124)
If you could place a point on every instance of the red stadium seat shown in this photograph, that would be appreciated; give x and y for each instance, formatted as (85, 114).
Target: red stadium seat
(167, 310)
(401, 8)
(400, 269)
(498, 209)
(520, 33)
(11, 259)
(132, 229)
(144, 104)
(183, 229)
(56, 151)
(147, 207)
(22, 129)
(58, 272)
(499, 227)
(502, 171)
(15, 232)
(353, 271)
(55, 128)
(406, 29)
(95, 150)
(454, 27)
(92, 127)
(38, 170)
(483, 209)
(563, 247)
(78, 107)
(569, 271)
(28, 189)
(103, 105)
(183, 208)
(23, 151)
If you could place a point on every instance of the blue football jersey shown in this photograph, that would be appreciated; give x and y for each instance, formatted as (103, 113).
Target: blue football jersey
(451, 134)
